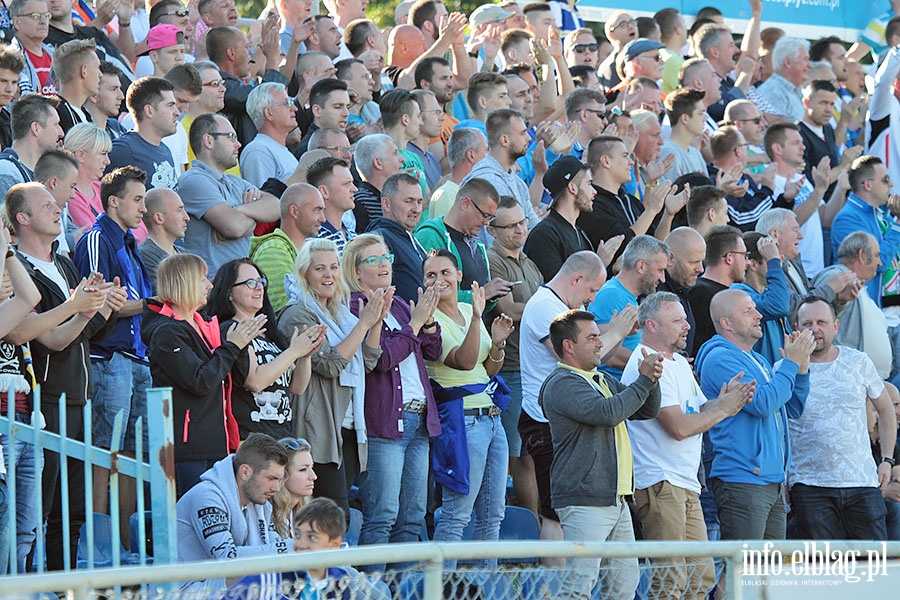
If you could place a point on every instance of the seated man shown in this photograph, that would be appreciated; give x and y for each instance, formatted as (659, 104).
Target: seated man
(227, 514)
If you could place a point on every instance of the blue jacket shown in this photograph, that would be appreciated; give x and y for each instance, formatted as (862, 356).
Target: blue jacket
(774, 303)
(108, 250)
(857, 215)
(408, 257)
(752, 446)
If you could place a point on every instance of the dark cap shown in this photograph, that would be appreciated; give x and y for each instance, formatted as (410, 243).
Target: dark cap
(560, 174)
(639, 46)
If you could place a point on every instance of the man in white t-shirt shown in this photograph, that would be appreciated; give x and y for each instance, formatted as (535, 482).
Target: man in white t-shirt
(835, 483)
(574, 286)
(785, 149)
(667, 449)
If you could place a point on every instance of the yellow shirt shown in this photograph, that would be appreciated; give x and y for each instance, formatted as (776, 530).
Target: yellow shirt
(187, 121)
(624, 460)
(452, 335)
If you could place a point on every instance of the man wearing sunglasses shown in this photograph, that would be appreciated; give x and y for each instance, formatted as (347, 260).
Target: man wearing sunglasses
(581, 48)
(639, 58)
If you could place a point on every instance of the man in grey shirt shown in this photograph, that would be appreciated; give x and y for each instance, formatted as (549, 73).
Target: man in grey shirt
(224, 208)
(166, 221)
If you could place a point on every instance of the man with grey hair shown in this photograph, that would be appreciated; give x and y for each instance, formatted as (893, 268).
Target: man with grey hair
(667, 448)
(644, 265)
(783, 89)
(751, 450)
(715, 43)
(402, 203)
(782, 226)
(302, 212)
(466, 147)
(377, 158)
(863, 324)
(273, 115)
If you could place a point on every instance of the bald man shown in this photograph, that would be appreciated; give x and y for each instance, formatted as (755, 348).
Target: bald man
(687, 249)
(751, 450)
(166, 222)
(302, 212)
(407, 47)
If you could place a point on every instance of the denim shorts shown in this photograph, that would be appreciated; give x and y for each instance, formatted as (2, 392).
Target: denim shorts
(120, 384)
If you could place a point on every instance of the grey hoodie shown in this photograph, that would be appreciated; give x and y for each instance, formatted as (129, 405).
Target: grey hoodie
(213, 525)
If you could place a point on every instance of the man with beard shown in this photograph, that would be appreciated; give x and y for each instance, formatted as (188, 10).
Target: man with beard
(726, 264)
(643, 268)
(151, 102)
(508, 139)
(557, 236)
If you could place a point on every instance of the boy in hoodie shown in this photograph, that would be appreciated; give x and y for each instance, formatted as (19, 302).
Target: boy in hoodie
(228, 515)
(751, 451)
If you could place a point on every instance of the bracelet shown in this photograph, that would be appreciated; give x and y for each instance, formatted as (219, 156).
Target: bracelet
(498, 346)
(433, 325)
(497, 360)
(473, 54)
(128, 24)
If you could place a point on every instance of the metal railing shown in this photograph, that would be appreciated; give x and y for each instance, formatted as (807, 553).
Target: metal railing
(158, 471)
(81, 584)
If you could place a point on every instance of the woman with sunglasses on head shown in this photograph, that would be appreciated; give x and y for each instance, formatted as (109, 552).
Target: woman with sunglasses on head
(331, 411)
(471, 454)
(297, 487)
(189, 353)
(271, 365)
(401, 413)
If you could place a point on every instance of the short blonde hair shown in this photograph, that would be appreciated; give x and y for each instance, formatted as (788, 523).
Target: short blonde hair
(87, 137)
(176, 280)
(304, 262)
(352, 251)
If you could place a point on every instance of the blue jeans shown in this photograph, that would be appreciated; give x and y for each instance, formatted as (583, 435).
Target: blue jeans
(119, 384)
(893, 519)
(28, 469)
(4, 530)
(394, 488)
(488, 461)
(856, 513)
(510, 416)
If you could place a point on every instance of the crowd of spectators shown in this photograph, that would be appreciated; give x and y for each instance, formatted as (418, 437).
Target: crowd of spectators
(642, 279)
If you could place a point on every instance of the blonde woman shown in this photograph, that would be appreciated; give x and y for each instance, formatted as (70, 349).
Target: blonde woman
(297, 488)
(331, 412)
(401, 413)
(91, 145)
(187, 353)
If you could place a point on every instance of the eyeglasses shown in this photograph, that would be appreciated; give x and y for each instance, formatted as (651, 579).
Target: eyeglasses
(744, 145)
(295, 444)
(214, 83)
(755, 121)
(181, 12)
(744, 254)
(254, 284)
(522, 223)
(376, 260)
(485, 218)
(288, 102)
(582, 48)
(341, 149)
(435, 111)
(599, 113)
(624, 25)
(229, 134)
(36, 16)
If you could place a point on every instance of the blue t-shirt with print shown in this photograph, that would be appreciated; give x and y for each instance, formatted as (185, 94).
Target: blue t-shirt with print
(155, 161)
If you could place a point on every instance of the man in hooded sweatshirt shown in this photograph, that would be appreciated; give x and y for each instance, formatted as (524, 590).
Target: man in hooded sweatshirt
(751, 450)
(228, 514)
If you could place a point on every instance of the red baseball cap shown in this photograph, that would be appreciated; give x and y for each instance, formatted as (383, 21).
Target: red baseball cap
(163, 36)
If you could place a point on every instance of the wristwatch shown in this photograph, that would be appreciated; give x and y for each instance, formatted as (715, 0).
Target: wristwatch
(889, 460)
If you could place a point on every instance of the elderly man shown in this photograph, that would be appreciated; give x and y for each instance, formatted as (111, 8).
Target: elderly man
(863, 325)
(643, 269)
(667, 448)
(790, 60)
(224, 208)
(377, 158)
(587, 412)
(302, 213)
(781, 225)
(687, 249)
(835, 485)
(272, 113)
(639, 58)
(751, 450)
(716, 44)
